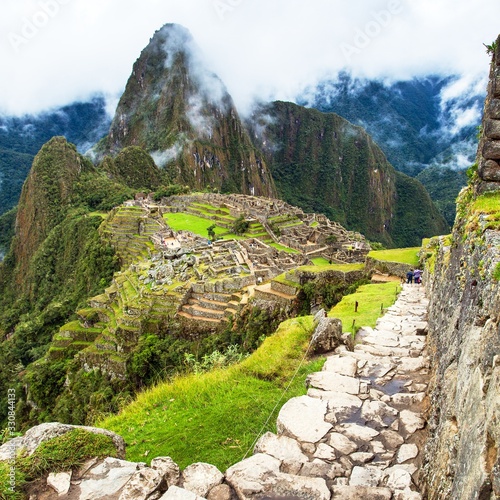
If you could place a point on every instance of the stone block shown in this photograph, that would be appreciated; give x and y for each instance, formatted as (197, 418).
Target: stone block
(494, 109)
(491, 150)
(489, 170)
(492, 129)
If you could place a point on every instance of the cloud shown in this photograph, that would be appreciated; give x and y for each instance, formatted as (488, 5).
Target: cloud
(57, 51)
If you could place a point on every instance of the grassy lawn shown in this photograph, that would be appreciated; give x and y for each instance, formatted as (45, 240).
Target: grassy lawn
(402, 255)
(345, 268)
(371, 299)
(188, 222)
(216, 417)
(284, 248)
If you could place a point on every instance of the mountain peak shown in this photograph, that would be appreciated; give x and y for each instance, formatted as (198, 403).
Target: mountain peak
(178, 110)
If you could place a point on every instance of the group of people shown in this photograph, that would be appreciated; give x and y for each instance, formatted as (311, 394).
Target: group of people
(414, 276)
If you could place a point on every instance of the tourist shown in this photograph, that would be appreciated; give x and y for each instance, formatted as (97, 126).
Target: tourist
(417, 276)
(409, 277)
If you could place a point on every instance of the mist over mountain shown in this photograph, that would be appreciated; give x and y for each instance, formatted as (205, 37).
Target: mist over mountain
(179, 111)
(418, 123)
(21, 137)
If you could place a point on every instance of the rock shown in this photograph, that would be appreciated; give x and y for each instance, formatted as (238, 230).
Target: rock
(303, 418)
(411, 365)
(200, 478)
(327, 335)
(342, 443)
(280, 447)
(491, 150)
(365, 476)
(407, 494)
(361, 457)
(169, 469)
(341, 404)
(176, 493)
(492, 129)
(220, 492)
(406, 452)
(329, 381)
(408, 398)
(60, 483)
(44, 432)
(358, 432)
(378, 412)
(361, 492)
(341, 365)
(259, 475)
(411, 421)
(489, 170)
(398, 479)
(107, 478)
(325, 452)
(142, 484)
(318, 468)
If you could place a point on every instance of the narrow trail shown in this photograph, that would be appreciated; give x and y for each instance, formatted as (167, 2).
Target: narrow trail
(358, 432)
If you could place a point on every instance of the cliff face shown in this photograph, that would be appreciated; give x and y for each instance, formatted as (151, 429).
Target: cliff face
(462, 455)
(180, 112)
(323, 163)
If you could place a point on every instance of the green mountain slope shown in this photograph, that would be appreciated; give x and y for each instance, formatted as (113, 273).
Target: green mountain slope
(323, 163)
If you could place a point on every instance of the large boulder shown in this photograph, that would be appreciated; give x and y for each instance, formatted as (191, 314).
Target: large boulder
(35, 436)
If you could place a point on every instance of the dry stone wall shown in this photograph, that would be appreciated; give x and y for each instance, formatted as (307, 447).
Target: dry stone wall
(488, 157)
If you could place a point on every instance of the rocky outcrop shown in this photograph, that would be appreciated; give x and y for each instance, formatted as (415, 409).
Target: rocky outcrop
(35, 436)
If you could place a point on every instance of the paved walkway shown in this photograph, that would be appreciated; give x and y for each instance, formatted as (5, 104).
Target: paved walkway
(359, 429)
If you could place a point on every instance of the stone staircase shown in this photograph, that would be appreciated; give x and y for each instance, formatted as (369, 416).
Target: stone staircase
(358, 432)
(276, 291)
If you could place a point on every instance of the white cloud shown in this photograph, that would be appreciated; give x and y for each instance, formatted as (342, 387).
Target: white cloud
(57, 51)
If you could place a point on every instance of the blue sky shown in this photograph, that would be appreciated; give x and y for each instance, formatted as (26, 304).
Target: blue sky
(56, 51)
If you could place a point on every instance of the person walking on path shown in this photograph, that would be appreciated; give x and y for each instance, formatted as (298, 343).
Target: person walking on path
(409, 277)
(417, 276)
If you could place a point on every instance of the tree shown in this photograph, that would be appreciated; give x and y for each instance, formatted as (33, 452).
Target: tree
(211, 231)
(240, 225)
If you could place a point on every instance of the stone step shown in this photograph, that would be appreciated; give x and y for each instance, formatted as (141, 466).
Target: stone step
(189, 316)
(208, 304)
(202, 312)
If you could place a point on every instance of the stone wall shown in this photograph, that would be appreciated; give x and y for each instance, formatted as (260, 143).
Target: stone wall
(385, 267)
(488, 157)
(462, 457)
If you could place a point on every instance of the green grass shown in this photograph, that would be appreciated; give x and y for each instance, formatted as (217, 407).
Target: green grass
(216, 417)
(197, 225)
(320, 261)
(345, 268)
(487, 203)
(59, 454)
(284, 248)
(401, 255)
(371, 300)
(188, 222)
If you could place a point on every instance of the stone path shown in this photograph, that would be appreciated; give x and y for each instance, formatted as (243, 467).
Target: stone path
(357, 433)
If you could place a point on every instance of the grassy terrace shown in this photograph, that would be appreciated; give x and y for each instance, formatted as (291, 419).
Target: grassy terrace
(402, 255)
(283, 248)
(372, 299)
(345, 268)
(216, 417)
